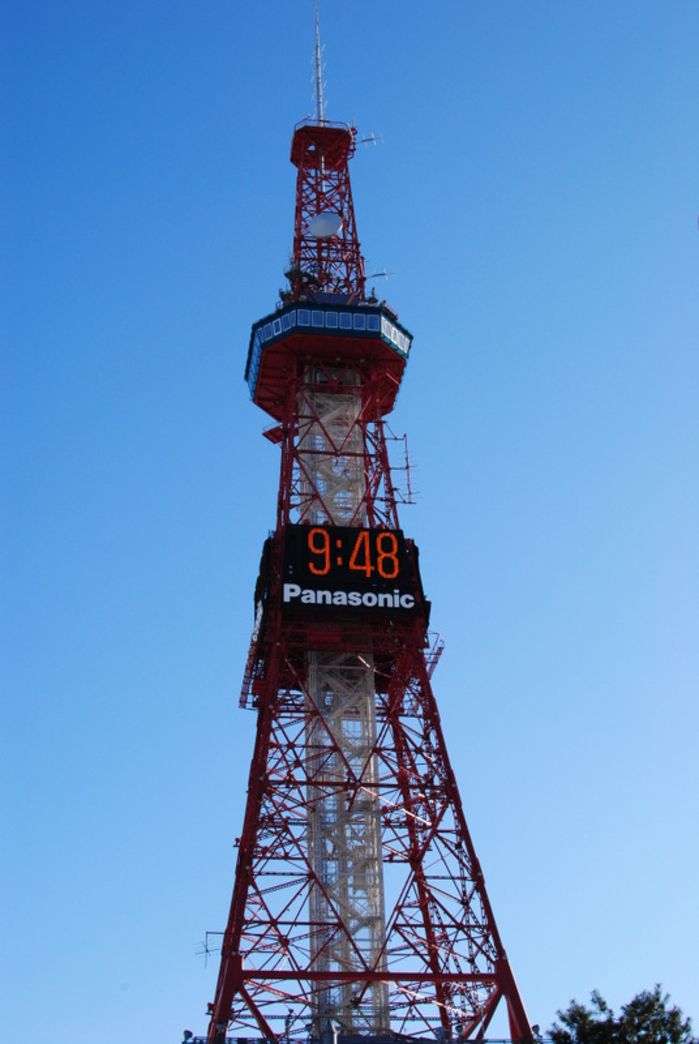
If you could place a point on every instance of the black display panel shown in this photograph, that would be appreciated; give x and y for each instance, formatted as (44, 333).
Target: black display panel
(349, 568)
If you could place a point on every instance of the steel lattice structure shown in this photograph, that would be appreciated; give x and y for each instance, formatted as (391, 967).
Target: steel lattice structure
(359, 907)
(321, 153)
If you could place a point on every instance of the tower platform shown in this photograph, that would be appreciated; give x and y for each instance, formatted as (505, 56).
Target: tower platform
(283, 342)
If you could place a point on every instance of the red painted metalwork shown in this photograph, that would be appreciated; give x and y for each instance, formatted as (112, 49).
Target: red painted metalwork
(441, 960)
(321, 153)
(284, 363)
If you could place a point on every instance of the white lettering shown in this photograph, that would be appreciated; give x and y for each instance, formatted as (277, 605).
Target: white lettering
(368, 599)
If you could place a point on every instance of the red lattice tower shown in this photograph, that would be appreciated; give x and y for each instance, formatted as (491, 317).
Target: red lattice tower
(359, 909)
(331, 263)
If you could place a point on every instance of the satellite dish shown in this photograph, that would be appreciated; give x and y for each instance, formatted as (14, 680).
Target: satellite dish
(326, 225)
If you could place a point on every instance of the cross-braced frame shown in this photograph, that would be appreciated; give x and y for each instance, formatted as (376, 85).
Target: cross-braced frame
(359, 906)
(296, 942)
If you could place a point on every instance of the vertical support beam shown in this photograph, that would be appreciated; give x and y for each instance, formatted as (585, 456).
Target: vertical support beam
(344, 837)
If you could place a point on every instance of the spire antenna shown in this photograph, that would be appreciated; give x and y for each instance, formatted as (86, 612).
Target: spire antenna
(320, 87)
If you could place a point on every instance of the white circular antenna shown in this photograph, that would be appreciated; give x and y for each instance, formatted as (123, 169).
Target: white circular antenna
(326, 225)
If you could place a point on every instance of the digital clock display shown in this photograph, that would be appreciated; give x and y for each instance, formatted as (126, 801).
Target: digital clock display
(348, 567)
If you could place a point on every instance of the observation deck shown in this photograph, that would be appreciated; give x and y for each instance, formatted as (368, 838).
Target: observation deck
(327, 332)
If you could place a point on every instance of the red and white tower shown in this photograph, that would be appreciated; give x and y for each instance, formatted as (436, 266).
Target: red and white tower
(359, 908)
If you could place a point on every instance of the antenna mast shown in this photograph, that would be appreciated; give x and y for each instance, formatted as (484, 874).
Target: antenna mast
(320, 101)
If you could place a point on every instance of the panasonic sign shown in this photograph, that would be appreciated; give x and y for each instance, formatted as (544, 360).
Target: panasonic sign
(294, 594)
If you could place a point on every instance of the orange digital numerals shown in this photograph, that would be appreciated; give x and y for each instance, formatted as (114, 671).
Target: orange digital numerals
(382, 559)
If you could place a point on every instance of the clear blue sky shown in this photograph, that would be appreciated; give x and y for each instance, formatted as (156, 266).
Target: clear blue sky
(536, 197)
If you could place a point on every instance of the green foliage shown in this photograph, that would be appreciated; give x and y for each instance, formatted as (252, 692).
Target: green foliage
(647, 1019)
